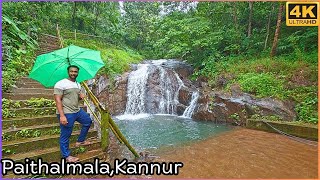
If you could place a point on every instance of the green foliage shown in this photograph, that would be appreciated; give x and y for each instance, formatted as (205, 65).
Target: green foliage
(235, 116)
(262, 85)
(53, 131)
(9, 106)
(31, 133)
(18, 49)
(6, 137)
(268, 118)
(40, 102)
(24, 133)
(8, 151)
(267, 77)
(80, 150)
(41, 112)
(6, 113)
(6, 105)
(137, 22)
(117, 60)
(307, 110)
(307, 99)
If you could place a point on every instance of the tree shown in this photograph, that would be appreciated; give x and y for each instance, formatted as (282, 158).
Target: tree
(250, 18)
(277, 32)
(74, 15)
(268, 27)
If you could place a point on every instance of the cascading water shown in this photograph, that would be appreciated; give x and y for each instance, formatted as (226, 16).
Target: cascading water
(189, 110)
(136, 90)
(154, 89)
(169, 92)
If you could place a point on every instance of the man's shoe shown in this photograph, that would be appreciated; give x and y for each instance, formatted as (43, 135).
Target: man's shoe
(84, 143)
(72, 159)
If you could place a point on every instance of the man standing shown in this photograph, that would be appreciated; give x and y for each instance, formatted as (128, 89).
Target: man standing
(67, 93)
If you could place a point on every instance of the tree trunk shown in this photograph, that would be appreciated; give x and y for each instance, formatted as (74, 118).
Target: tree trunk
(74, 15)
(96, 18)
(276, 34)
(268, 28)
(235, 17)
(250, 18)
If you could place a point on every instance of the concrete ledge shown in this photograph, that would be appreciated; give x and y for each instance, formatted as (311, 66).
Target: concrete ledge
(304, 131)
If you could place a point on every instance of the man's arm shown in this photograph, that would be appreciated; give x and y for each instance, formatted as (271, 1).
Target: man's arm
(82, 93)
(63, 119)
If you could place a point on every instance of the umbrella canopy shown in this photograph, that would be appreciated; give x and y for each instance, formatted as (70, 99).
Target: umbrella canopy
(52, 67)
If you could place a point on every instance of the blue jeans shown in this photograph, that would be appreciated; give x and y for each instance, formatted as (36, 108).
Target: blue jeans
(84, 119)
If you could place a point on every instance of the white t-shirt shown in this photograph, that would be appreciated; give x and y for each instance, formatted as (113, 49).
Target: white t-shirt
(70, 95)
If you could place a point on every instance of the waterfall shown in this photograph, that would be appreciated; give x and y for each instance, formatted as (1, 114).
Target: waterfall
(169, 91)
(154, 89)
(189, 110)
(136, 90)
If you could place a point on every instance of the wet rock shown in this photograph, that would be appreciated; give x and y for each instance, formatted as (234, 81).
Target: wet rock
(223, 79)
(112, 95)
(133, 67)
(236, 109)
(185, 96)
(202, 113)
(235, 89)
(153, 92)
(180, 109)
(182, 68)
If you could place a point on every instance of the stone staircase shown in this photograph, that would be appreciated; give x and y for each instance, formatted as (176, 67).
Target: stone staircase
(30, 128)
(47, 43)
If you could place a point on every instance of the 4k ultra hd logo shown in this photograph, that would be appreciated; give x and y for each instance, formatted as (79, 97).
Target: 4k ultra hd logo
(302, 14)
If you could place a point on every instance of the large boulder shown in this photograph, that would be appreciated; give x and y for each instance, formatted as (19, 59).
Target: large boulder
(237, 108)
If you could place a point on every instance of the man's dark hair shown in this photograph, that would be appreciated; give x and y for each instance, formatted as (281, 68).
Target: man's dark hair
(73, 66)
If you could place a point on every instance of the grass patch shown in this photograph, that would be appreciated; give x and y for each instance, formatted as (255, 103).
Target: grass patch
(262, 85)
(284, 78)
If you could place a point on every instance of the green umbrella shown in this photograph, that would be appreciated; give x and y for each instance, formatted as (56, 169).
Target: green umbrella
(52, 67)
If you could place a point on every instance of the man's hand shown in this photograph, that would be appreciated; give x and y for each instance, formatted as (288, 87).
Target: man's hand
(82, 96)
(63, 120)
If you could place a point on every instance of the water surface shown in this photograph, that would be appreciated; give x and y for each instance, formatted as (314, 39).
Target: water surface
(156, 131)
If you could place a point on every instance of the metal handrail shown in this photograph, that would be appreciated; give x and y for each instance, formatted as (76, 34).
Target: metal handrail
(106, 123)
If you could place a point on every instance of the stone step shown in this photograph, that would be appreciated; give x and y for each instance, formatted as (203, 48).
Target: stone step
(47, 47)
(33, 131)
(87, 156)
(32, 90)
(32, 144)
(51, 154)
(29, 112)
(29, 85)
(26, 80)
(28, 121)
(26, 96)
(31, 103)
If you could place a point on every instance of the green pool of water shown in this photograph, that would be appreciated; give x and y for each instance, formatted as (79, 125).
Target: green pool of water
(155, 131)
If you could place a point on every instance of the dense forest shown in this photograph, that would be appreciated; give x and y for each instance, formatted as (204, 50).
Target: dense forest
(247, 43)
